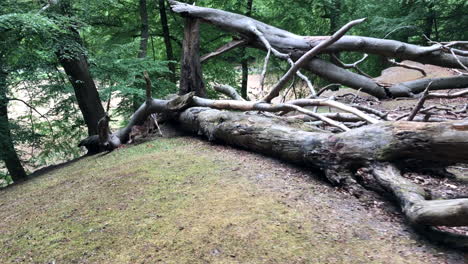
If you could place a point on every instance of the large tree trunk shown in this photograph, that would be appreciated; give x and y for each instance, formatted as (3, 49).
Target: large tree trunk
(167, 40)
(191, 77)
(294, 46)
(76, 66)
(373, 148)
(77, 69)
(7, 151)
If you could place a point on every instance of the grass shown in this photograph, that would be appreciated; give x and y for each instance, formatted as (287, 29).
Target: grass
(181, 201)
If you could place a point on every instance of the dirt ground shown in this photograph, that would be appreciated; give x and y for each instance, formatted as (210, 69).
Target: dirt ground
(183, 200)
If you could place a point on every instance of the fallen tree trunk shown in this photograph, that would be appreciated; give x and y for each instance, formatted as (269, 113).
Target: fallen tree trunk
(339, 156)
(287, 45)
(373, 148)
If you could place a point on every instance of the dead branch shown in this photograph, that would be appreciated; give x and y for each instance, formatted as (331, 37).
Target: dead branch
(406, 66)
(334, 104)
(420, 103)
(228, 91)
(225, 48)
(306, 58)
(353, 65)
(305, 79)
(463, 93)
(35, 110)
(148, 85)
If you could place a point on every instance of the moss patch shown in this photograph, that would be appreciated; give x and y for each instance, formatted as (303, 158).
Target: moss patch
(185, 201)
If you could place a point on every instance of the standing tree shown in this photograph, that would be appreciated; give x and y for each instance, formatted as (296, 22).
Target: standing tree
(167, 40)
(72, 57)
(245, 62)
(7, 150)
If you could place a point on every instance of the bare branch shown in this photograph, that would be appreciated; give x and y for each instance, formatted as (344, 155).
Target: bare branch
(35, 110)
(406, 66)
(334, 104)
(323, 89)
(307, 56)
(305, 79)
(420, 103)
(225, 48)
(458, 60)
(463, 93)
(260, 106)
(353, 65)
(228, 90)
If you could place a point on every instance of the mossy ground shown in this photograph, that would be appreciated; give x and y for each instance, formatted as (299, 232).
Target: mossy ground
(186, 201)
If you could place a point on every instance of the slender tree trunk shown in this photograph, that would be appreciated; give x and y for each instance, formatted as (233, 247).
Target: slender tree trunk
(244, 63)
(7, 150)
(144, 29)
(191, 77)
(167, 40)
(334, 12)
(142, 52)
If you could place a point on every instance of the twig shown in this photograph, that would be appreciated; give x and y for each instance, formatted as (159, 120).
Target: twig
(334, 104)
(304, 78)
(406, 66)
(462, 93)
(270, 49)
(420, 103)
(369, 110)
(458, 60)
(318, 116)
(353, 65)
(225, 48)
(323, 89)
(155, 118)
(35, 110)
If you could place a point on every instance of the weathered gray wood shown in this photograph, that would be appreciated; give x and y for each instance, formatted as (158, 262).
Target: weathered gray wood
(386, 141)
(286, 44)
(290, 43)
(191, 77)
(96, 144)
(338, 154)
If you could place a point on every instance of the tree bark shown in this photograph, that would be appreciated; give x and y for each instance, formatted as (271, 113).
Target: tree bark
(295, 46)
(7, 150)
(340, 156)
(144, 35)
(143, 50)
(167, 40)
(374, 147)
(76, 67)
(245, 61)
(191, 77)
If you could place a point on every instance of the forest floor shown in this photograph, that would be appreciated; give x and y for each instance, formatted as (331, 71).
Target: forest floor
(184, 200)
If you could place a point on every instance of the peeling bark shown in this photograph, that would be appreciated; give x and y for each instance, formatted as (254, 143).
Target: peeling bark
(191, 78)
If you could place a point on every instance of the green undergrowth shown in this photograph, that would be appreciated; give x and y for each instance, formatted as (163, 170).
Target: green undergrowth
(172, 201)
